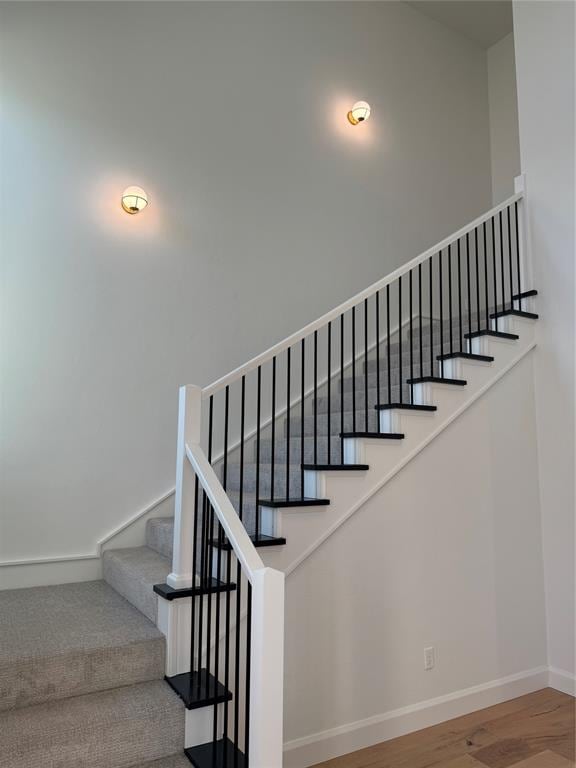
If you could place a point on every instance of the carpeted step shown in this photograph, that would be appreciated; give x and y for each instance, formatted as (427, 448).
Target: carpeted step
(133, 572)
(120, 728)
(159, 535)
(335, 423)
(280, 449)
(72, 639)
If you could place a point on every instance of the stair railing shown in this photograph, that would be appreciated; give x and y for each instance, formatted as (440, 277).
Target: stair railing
(230, 641)
(250, 442)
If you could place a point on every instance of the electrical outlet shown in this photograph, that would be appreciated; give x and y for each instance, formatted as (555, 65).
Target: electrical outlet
(429, 658)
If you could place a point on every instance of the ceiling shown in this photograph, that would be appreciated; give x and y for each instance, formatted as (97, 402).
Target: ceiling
(484, 21)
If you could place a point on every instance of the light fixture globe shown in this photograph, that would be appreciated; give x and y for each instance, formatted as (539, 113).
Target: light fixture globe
(134, 199)
(359, 112)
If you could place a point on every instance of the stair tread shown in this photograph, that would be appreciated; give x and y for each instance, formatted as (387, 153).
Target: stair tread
(515, 313)
(405, 407)
(437, 380)
(131, 725)
(495, 334)
(133, 572)
(218, 755)
(379, 435)
(296, 502)
(70, 640)
(212, 586)
(334, 467)
(199, 689)
(466, 356)
(262, 540)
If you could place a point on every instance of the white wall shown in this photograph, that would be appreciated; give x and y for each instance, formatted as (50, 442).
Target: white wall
(267, 208)
(448, 554)
(503, 107)
(544, 34)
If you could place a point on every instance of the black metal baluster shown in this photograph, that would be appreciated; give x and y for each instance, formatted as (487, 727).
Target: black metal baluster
(194, 564)
(329, 364)
(494, 273)
(341, 388)
(431, 319)
(366, 365)
(217, 632)
(228, 569)
(450, 298)
(258, 419)
(302, 403)
(389, 372)
(378, 348)
(518, 255)
(410, 309)
(460, 297)
(477, 279)
(273, 453)
(287, 423)
(239, 581)
(420, 318)
(441, 315)
(502, 261)
(353, 369)
(400, 368)
(210, 548)
(315, 397)
(486, 278)
(469, 293)
(510, 259)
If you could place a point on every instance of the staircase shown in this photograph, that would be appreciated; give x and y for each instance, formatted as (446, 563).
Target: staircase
(271, 460)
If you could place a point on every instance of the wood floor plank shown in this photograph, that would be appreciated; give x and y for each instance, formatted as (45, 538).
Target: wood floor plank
(546, 759)
(523, 727)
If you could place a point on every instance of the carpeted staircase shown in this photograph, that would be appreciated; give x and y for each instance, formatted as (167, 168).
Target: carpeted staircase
(81, 682)
(82, 665)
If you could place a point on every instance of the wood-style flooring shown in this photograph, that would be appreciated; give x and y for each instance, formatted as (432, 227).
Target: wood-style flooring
(533, 731)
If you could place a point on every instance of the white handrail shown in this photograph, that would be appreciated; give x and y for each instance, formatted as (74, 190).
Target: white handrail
(333, 314)
(241, 543)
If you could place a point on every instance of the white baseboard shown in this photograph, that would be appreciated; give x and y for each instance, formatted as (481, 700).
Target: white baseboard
(562, 681)
(325, 745)
(84, 566)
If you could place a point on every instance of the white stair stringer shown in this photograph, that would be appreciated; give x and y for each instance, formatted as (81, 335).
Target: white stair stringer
(306, 528)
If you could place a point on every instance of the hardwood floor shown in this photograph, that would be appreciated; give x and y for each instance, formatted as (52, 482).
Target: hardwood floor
(534, 731)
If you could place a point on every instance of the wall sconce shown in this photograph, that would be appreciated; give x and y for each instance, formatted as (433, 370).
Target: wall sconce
(134, 199)
(359, 112)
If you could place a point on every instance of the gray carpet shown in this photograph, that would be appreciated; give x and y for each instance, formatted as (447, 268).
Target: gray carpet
(121, 728)
(133, 572)
(175, 761)
(72, 639)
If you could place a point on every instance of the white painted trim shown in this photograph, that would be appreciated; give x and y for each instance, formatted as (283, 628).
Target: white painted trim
(236, 533)
(333, 314)
(350, 737)
(97, 552)
(360, 503)
(561, 680)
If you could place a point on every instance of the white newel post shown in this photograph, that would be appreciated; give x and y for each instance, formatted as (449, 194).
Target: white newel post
(189, 431)
(526, 265)
(267, 669)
